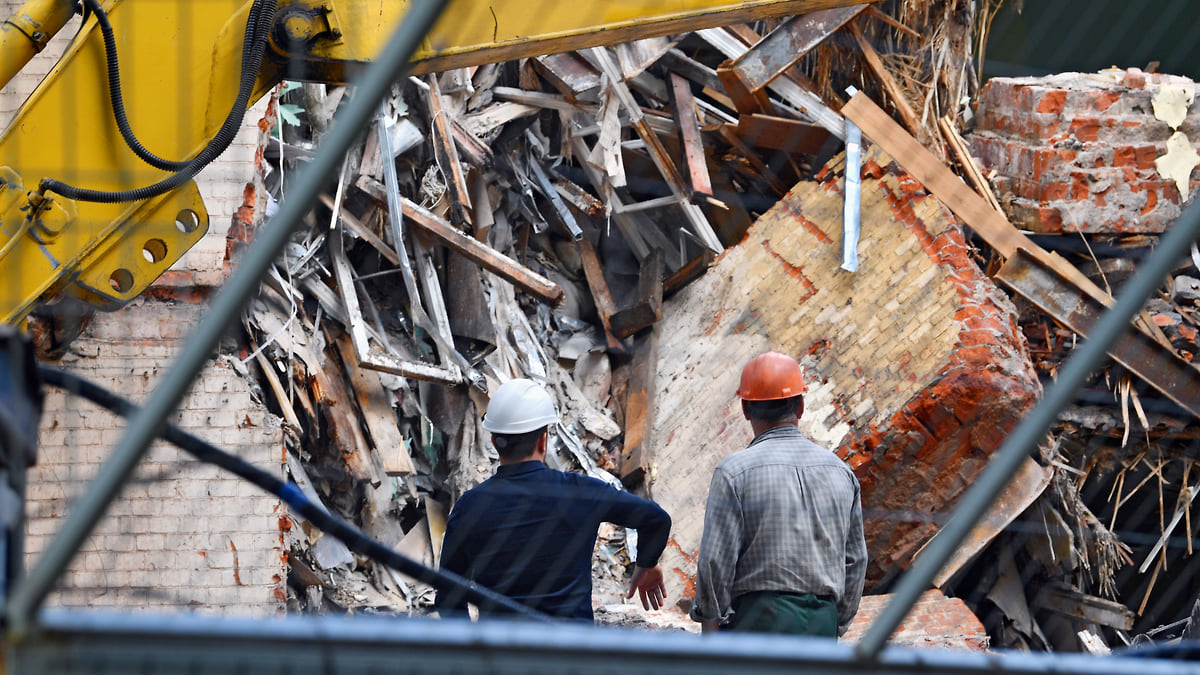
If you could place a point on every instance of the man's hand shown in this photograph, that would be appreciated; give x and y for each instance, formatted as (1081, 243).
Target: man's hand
(648, 581)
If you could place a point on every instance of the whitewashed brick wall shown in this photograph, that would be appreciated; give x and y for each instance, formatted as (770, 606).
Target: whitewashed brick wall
(183, 534)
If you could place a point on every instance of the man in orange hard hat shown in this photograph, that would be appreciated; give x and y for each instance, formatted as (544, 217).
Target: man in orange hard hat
(783, 548)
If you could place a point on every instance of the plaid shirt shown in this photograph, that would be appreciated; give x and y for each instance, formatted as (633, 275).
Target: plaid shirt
(783, 515)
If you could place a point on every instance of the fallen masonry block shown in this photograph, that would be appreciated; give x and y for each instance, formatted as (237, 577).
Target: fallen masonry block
(915, 365)
(1081, 152)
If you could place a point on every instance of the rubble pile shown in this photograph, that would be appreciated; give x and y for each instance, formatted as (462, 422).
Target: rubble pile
(538, 218)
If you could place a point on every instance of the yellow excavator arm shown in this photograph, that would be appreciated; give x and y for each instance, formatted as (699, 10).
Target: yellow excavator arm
(82, 214)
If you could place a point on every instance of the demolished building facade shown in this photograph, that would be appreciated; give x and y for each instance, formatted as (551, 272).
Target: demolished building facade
(919, 362)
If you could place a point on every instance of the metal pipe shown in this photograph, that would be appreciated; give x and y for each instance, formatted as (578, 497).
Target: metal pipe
(226, 307)
(25, 33)
(1025, 437)
(87, 641)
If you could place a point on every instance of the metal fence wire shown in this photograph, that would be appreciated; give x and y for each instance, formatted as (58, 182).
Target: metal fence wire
(264, 264)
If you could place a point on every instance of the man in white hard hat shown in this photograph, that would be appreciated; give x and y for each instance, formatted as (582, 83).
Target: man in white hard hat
(529, 531)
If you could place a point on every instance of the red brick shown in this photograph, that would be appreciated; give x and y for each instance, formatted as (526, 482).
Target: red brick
(1051, 219)
(1052, 102)
(1124, 155)
(1085, 129)
(1105, 99)
(1134, 78)
(1151, 202)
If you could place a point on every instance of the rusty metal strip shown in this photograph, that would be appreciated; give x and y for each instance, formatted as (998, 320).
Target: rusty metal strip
(1140, 354)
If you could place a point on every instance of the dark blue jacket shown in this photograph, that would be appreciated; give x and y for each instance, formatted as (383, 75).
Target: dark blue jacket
(529, 532)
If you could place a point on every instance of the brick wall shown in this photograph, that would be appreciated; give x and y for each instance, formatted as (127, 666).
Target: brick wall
(915, 365)
(183, 534)
(1076, 152)
(935, 621)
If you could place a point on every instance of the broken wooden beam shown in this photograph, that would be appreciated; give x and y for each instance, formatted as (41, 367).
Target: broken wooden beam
(780, 49)
(647, 308)
(689, 272)
(694, 160)
(894, 91)
(601, 295)
(483, 255)
(791, 92)
(1089, 608)
(377, 413)
(700, 225)
(780, 133)
(636, 458)
(447, 156)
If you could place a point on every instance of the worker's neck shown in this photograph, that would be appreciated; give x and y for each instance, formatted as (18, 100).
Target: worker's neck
(760, 426)
(538, 454)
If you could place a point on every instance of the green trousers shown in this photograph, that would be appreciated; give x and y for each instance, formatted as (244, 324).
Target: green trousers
(775, 612)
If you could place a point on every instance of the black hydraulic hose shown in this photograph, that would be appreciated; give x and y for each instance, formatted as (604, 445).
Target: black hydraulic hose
(117, 99)
(258, 27)
(356, 541)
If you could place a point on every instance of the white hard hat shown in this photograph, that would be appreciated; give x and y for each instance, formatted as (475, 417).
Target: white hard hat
(519, 406)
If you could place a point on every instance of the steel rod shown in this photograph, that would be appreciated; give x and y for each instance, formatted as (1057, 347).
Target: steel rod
(269, 242)
(1005, 462)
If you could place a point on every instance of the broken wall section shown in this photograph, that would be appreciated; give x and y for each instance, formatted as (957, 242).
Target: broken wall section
(1084, 152)
(916, 369)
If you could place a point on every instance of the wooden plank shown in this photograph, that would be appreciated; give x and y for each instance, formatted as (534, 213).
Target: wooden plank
(1087, 607)
(780, 133)
(542, 100)
(601, 295)
(894, 91)
(482, 254)
(692, 270)
(785, 87)
(729, 133)
(570, 74)
(960, 151)
(745, 99)
(679, 63)
(380, 419)
(594, 273)
(774, 54)
(341, 418)
(647, 309)
(447, 156)
(636, 454)
(684, 108)
(362, 231)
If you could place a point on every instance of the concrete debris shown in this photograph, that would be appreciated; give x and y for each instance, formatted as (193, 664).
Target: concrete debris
(629, 225)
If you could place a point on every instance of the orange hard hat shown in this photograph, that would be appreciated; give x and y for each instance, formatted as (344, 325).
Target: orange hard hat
(770, 377)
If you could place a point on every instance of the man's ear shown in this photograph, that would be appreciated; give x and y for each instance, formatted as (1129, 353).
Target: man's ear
(745, 409)
(800, 408)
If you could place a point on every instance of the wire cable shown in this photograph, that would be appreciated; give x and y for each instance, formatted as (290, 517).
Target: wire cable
(258, 25)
